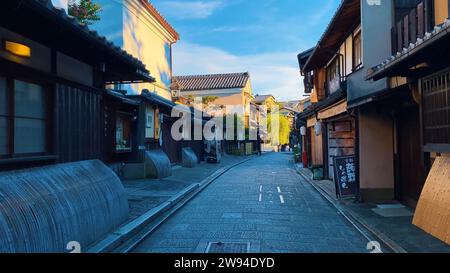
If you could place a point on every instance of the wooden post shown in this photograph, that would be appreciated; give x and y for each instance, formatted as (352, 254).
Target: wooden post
(420, 20)
(399, 36)
(448, 9)
(413, 25)
(429, 18)
(406, 31)
(394, 40)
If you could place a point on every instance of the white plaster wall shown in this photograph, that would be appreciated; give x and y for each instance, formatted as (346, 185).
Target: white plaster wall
(128, 24)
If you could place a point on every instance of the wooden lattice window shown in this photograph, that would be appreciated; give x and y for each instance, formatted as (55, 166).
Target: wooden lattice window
(436, 112)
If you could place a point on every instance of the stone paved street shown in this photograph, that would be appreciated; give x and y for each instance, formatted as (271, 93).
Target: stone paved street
(146, 194)
(263, 202)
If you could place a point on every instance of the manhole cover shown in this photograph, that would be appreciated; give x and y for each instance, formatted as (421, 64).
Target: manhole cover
(219, 247)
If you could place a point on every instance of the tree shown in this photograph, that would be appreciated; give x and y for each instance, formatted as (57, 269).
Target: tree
(86, 11)
(207, 100)
(284, 128)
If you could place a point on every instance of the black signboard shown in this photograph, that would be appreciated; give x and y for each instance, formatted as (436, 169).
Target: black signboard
(346, 178)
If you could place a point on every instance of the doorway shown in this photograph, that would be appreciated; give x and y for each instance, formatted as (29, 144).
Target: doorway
(411, 166)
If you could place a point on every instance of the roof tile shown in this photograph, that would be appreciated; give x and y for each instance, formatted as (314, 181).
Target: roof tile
(212, 81)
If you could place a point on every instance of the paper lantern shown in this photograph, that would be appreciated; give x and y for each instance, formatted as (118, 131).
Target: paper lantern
(318, 128)
(303, 131)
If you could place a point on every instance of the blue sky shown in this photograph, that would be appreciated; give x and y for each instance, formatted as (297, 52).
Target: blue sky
(262, 37)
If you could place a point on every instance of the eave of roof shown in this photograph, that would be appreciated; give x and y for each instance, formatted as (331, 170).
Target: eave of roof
(121, 97)
(315, 108)
(155, 13)
(157, 99)
(61, 24)
(387, 66)
(304, 56)
(343, 20)
(263, 98)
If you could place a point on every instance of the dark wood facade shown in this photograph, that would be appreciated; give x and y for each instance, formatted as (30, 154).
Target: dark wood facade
(67, 67)
(78, 123)
(341, 138)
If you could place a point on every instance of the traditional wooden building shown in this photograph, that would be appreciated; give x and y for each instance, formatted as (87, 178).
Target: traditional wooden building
(53, 73)
(418, 72)
(331, 129)
(138, 27)
(54, 108)
(392, 126)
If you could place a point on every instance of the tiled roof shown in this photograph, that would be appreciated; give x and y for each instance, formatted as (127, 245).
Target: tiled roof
(93, 34)
(290, 104)
(438, 32)
(262, 98)
(212, 81)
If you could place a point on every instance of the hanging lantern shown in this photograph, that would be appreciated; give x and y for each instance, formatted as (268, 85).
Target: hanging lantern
(303, 131)
(318, 128)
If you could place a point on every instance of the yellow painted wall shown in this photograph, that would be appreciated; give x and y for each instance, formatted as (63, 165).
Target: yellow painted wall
(440, 11)
(237, 97)
(128, 24)
(144, 38)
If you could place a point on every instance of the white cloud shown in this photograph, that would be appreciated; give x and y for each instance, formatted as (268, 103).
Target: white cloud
(189, 9)
(274, 73)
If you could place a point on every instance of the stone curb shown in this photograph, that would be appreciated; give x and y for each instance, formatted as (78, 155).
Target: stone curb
(352, 218)
(126, 232)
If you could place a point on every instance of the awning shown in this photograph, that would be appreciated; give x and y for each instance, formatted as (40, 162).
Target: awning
(426, 55)
(40, 21)
(334, 110)
(330, 100)
(121, 97)
(153, 97)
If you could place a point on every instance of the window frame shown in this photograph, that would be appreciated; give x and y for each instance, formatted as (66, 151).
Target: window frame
(336, 63)
(148, 107)
(356, 66)
(11, 116)
(126, 117)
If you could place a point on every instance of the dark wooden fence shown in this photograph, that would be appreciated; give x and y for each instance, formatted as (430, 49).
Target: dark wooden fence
(78, 121)
(170, 146)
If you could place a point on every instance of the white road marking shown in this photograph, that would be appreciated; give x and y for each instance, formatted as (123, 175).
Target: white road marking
(260, 188)
(279, 190)
(260, 197)
(281, 199)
